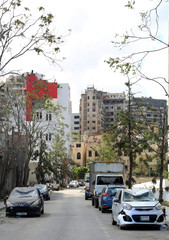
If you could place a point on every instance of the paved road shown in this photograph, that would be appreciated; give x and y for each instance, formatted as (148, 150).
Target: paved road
(69, 217)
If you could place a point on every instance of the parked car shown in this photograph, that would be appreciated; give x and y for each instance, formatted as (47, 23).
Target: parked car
(136, 207)
(87, 193)
(81, 182)
(73, 184)
(24, 201)
(45, 190)
(55, 185)
(106, 197)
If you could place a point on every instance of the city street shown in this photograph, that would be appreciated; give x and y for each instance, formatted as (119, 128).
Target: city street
(69, 217)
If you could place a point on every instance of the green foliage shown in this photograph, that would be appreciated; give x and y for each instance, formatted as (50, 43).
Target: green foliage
(130, 4)
(79, 172)
(44, 164)
(105, 148)
(166, 174)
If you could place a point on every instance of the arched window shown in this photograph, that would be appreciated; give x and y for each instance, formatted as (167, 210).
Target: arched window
(78, 155)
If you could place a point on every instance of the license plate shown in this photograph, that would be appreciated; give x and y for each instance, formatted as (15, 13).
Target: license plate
(144, 218)
(21, 213)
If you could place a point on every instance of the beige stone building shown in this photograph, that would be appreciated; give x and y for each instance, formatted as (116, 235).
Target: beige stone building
(99, 110)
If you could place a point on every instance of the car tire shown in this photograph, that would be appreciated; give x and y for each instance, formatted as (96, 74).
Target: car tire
(113, 222)
(42, 211)
(86, 198)
(122, 227)
(96, 204)
(92, 201)
(103, 210)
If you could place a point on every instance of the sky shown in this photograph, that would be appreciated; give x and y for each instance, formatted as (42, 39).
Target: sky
(93, 25)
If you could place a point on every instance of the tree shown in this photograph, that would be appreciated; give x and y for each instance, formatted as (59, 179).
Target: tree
(44, 168)
(148, 35)
(105, 148)
(59, 158)
(79, 172)
(128, 134)
(26, 137)
(21, 32)
(132, 63)
(157, 141)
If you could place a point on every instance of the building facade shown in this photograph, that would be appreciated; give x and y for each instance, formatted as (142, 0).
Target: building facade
(99, 109)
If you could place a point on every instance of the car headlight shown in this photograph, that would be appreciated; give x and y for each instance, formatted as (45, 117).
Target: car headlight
(9, 204)
(37, 202)
(127, 206)
(158, 206)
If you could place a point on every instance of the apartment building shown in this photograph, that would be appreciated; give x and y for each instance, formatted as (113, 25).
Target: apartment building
(99, 109)
(75, 126)
(151, 109)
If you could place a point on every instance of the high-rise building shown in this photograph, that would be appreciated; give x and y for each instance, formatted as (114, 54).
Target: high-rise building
(75, 126)
(153, 110)
(99, 109)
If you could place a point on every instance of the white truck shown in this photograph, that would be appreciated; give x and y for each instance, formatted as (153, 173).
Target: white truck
(103, 174)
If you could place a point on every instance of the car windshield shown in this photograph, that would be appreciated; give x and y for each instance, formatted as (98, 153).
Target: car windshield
(23, 194)
(108, 180)
(139, 197)
(112, 191)
(41, 187)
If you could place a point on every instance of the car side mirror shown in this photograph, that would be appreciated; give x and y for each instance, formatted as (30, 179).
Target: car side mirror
(5, 199)
(116, 200)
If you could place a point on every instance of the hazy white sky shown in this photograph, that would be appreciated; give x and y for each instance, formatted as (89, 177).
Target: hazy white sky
(93, 25)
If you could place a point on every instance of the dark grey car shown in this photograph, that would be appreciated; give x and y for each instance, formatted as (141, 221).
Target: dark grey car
(24, 201)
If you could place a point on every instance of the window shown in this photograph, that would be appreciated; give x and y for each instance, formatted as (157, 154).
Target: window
(94, 110)
(48, 136)
(76, 117)
(90, 153)
(96, 154)
(93, 121)
(78, 155)
(78, 145)
(48, 117)
(94, 97)
(39, 115)
(76, 122)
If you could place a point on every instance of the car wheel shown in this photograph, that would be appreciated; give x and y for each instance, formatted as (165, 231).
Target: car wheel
(42, 211)
(86, 198)
(92, 201)
(103, 210)
(96, 204)
(113, 221)
(122, 227)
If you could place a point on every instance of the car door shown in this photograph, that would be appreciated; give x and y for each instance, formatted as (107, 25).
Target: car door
(100, 197)
(116, 205)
